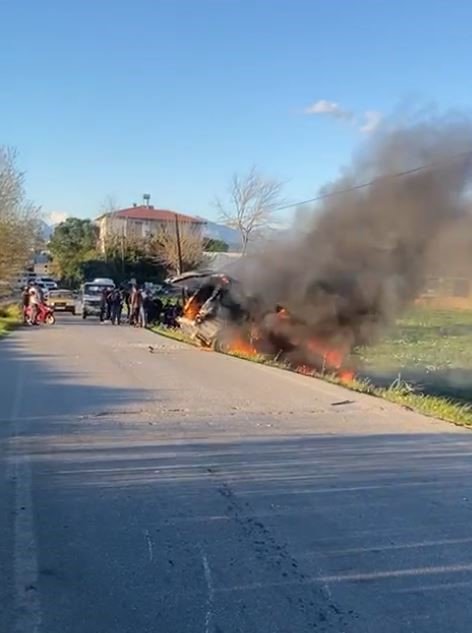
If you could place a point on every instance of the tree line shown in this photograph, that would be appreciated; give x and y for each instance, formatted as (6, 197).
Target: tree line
(248, 207)
(20, 220)
(78, 254)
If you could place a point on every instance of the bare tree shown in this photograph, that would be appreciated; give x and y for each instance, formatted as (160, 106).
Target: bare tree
(19, 219)
(108, 204)
(252, 200)
(165, 248)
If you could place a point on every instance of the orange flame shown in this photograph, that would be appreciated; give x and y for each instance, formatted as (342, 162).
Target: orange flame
(240, 346)
(191, 308)
(332, 357)
(346, 375)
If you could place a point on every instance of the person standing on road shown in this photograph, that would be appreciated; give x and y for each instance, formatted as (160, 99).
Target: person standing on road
(156, 309)
(127, 302)
(116, 307)
(144, 308)
(103, 305)
(109, 301)
(135, 301)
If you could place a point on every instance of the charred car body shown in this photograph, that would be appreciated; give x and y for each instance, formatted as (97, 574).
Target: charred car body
(218, 314)
(215, 306)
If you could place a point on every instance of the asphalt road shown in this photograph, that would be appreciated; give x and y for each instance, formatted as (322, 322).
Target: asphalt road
(184, 491)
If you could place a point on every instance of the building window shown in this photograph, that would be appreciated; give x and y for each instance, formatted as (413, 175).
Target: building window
(135, 228)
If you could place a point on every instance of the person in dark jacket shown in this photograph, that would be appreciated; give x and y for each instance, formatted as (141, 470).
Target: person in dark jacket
(116, 306)
(110, 293)
(127, 302)
(156, 310)
(103, 305)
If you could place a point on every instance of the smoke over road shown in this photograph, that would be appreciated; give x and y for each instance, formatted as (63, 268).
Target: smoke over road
(361, 257)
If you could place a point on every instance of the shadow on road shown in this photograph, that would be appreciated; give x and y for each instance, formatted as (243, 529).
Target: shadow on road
(153, 527)
(379, 525)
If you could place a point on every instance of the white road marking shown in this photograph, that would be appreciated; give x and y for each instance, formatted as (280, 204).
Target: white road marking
(25, 561)
(356, 577)
(211, 593)
(149, 544)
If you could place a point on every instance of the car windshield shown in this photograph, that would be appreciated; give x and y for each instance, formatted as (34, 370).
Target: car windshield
(94, 289)
(61, 293)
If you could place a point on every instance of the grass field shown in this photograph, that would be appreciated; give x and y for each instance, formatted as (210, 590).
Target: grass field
(429, 349)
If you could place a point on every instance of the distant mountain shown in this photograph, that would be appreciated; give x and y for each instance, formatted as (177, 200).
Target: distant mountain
(216, 231)
(46, 230)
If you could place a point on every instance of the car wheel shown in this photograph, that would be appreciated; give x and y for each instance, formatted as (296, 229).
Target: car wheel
(73, 312)
(84, 315)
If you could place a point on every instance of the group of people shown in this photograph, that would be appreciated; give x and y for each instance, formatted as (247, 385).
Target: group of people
(141, 309)
(32, 298)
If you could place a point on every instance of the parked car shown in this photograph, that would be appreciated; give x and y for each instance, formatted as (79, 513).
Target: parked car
(61, 300)
(24, 280)
(47, 283)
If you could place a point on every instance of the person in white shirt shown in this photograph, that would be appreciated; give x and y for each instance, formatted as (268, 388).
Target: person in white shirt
(34, 301)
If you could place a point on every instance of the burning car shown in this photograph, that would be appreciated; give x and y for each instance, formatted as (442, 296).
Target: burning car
(218, 314)
(215, 304)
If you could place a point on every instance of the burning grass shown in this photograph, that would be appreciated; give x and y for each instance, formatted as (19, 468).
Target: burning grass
(418, 366)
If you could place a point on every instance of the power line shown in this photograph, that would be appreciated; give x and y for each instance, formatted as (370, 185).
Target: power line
(322, 196)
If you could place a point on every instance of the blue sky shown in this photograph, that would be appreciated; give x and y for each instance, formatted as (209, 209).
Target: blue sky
(171, 97)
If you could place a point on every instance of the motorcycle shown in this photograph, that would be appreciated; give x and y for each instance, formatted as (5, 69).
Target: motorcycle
(45, 315)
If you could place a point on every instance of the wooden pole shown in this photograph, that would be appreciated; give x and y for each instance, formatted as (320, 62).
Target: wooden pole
(179, 246)
(179, 256)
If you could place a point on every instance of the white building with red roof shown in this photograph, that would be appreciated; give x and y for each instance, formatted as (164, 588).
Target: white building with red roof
(142, 222)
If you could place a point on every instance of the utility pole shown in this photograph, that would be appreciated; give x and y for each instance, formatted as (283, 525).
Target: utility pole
(179, 256)
(124, 236)
(179, 246)
(123, 254)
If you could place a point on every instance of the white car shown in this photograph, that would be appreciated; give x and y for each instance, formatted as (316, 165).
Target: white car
(47, 283)
(104, 281)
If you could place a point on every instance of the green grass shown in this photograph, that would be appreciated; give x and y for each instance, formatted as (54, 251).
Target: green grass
(424, 363)
(10, 317)
(425, 339)
(430, 349)
(175, 334)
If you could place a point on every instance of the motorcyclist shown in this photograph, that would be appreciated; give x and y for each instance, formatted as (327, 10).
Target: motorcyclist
(34, 301)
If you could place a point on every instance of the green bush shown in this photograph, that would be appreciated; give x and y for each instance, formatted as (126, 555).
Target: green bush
(10, 311)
